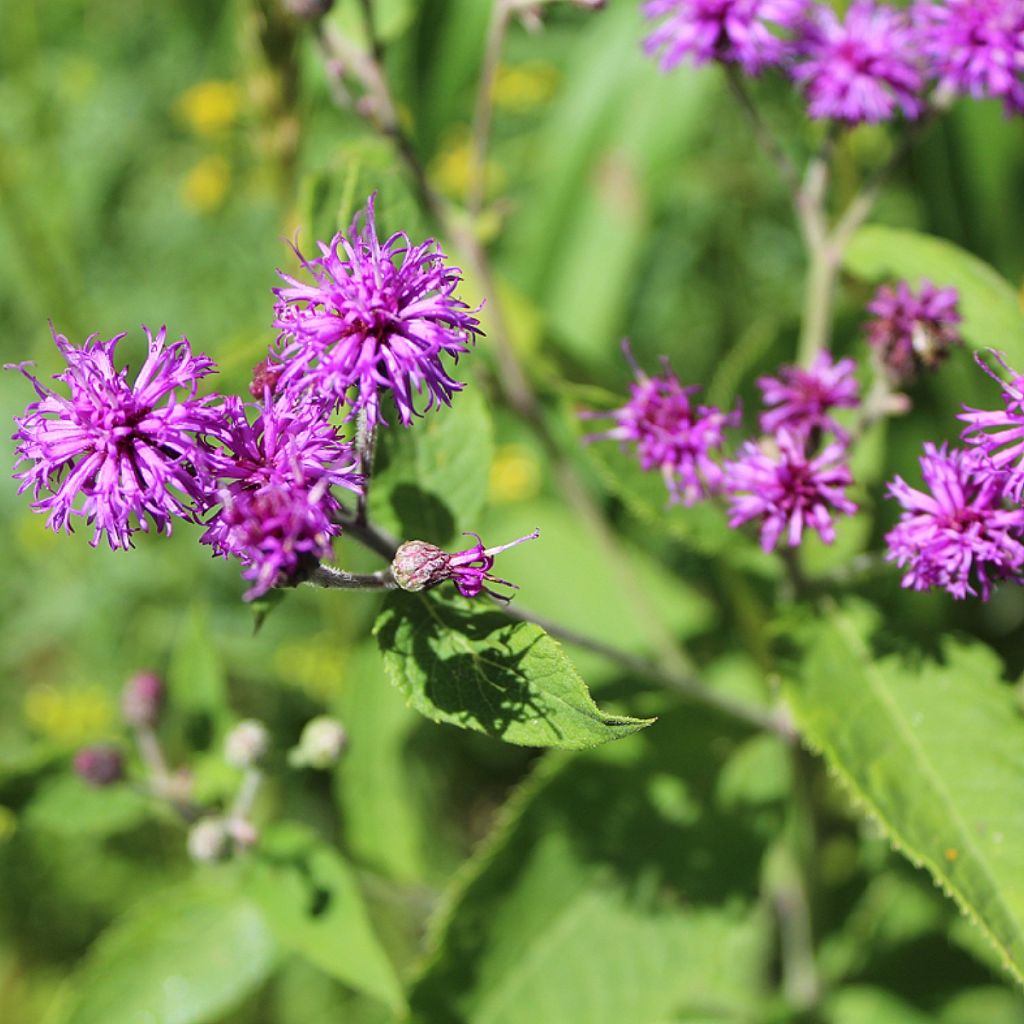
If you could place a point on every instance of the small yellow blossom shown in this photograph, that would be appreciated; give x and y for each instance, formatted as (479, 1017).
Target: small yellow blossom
(450, 170)
(69, 716)
(209, 108)
(524, 87)
(515, 475)
(313, 666)
(205, 186)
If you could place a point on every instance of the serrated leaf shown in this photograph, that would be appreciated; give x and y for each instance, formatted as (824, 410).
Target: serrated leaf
(613, 891)
(184, 956)
(466, 664)
(314, 907)
(934, 751)
(990, 306)
(430, 483)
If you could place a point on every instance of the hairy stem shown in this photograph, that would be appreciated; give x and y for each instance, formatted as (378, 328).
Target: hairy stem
(331, 578)
(366, 447)
(496, 30)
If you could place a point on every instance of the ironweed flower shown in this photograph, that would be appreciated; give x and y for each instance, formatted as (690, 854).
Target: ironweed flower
(861, 68)
(671, 433)
(911, 330)
(419, 566)
(960, 536)
(743, 32)
(277, 511)
(976, 47)
(120, 454)
(377, 316)
(786, 490)
(999, 433)
(800, 399)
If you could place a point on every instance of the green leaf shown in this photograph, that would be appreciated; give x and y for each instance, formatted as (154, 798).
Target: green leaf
(196, 679)
(613, 891)
(865, 1004)
(68, 806)
(935, 752)
(466, 664)
(990, 306)
(314, 907)
(431, 482)
(184, 956)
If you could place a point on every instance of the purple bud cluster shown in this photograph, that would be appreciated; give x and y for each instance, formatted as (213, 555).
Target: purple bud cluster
(872, 63)
(375, 322)
(790, 478)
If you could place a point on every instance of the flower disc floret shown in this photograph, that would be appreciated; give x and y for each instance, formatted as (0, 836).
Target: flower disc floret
(779, 485)
(913, 329)
(863, 68)
(277, 510)
(749, 33)
(800, 400)
(672, 433)
(976, 47)
(959, 534)
(122, 455)
(377, 317)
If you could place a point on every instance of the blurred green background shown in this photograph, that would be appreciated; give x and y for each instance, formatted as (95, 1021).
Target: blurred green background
(154, 159)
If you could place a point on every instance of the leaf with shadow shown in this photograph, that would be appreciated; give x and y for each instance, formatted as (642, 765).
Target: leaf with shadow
(461, 662)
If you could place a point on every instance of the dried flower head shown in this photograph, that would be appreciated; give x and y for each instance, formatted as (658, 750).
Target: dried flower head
(958, 534)
(671, 432)
(777, 483)
(321, 744)
(377, 317)
(142, 700)
(912, 329)
(277, 510)
(246, 744)
(750, 33)
(119, 454)
(99, 765)
(863, 68)
(800, 400)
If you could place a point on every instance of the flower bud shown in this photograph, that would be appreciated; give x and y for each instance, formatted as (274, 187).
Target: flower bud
(418, 565)
(99, 765)
(321, 744)
(207, 840)
(244, 833)
(142, 700)
(247, 743)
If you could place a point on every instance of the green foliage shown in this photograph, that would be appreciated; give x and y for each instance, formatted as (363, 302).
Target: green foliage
(470, 666)
(991, 309)
(182, 956)
(935, 752)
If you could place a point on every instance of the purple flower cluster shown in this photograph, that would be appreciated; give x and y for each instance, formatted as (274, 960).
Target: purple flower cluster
(131, 456)
(786, 481)
(377, 317)
(876, 61)
(912, 330)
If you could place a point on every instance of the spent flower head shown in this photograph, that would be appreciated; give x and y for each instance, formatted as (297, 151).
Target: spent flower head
(120, 454)
(959, 534)
(246, 744)
(672, 433)
(912, 329)
(999, 433)
(142, 700)
(800, 400)
(418, 565)
(778, 484)
(277, 510)
(863, 68)
(976, 47)
(377, 317)
(750, 33)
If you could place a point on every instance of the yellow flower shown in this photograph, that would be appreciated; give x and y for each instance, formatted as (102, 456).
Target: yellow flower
(312, 666)
(515, 475)
(205, 186)
(69, 716)
(523, 87)
(209, 108)
(450, 169)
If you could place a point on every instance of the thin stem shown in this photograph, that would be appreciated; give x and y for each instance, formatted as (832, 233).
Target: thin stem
(819, 287)
(366, 447)
(245, 798)
(496, 30)
(332, 578)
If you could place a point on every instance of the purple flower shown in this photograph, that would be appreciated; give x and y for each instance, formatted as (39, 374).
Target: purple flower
(113, 452)
(863, 68)
(913, 330)
(377, 316)
(999, 434)
(976, 47)
(744, 32)
(100, 765)
(277, 511)
(786, 490)
(801, 399)
(671, 433)
(960, 528)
